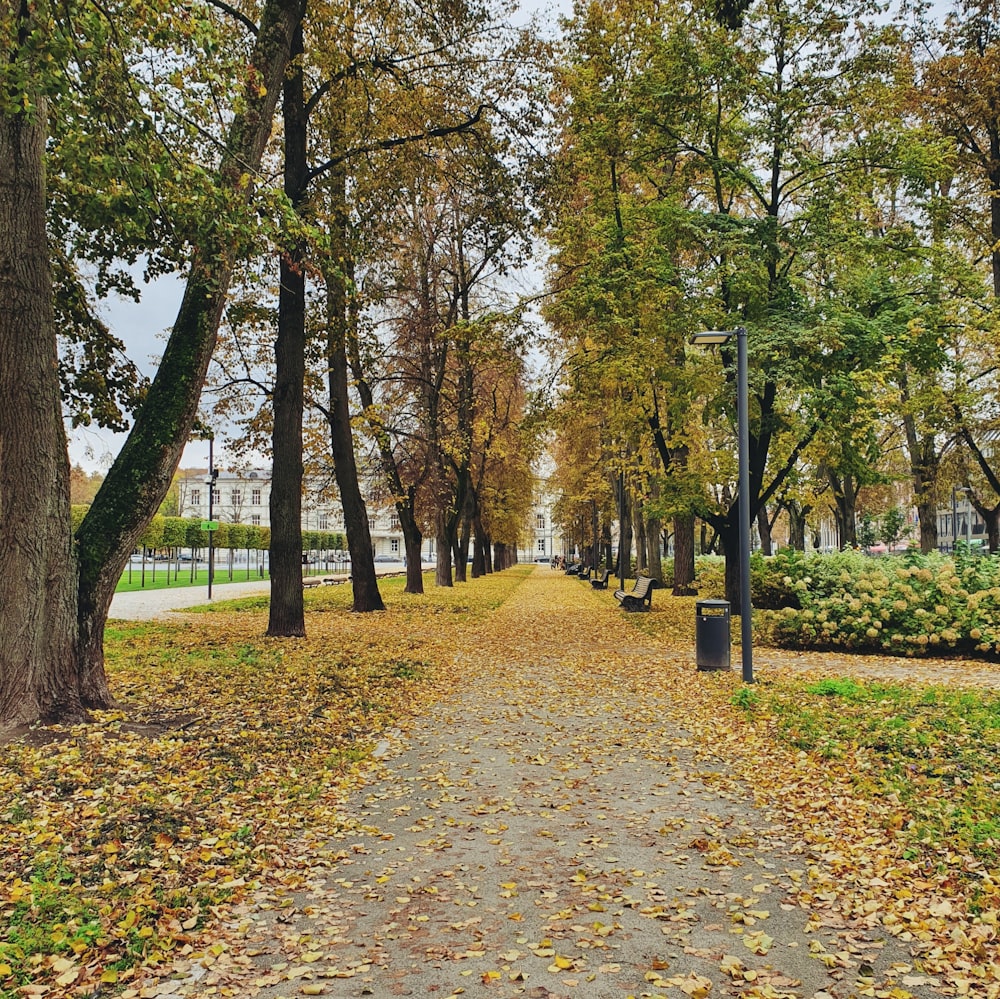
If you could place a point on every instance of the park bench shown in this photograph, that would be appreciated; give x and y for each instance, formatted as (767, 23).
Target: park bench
(584, 574)
(640, 597)
(601, 582)
(572, 569)
(310, 581)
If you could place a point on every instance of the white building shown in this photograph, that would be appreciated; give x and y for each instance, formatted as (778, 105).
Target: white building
(545, 537)
(244, 498)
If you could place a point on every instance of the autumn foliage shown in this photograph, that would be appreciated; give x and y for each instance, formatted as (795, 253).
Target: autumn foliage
(228, 773)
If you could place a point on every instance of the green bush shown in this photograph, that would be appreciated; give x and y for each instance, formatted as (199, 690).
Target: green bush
(916, 605)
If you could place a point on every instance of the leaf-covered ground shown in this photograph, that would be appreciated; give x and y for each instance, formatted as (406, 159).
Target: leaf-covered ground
(510, 787)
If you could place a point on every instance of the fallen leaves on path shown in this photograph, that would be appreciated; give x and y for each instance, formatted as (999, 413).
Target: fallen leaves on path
(509, 786)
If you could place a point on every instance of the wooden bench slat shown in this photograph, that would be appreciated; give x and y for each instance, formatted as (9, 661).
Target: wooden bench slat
(640, 597)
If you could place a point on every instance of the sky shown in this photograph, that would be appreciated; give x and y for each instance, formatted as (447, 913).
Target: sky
(143, 326)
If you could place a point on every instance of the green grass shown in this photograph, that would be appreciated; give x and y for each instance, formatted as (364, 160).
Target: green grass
(935, 749)
(163, 576)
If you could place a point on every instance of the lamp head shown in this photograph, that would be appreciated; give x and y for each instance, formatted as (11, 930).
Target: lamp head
(711, 338)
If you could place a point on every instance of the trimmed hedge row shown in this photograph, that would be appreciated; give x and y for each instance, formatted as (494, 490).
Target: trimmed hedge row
(186, 532)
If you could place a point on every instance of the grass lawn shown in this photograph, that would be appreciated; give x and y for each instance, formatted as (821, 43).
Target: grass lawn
(133, 579)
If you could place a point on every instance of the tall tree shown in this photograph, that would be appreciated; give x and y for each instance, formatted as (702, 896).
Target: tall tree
(52, 668)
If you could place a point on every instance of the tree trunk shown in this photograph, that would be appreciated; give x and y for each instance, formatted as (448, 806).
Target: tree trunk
(39, 679)
(764, 531)
(625, 541)
(639, 520)
(924, 464)
(442, 570)
(797, 526)
(654, 559)
(991, 518)
(480, 550)
(286, 614)
(359, 540)
(412, 544)
(684, 584)
(730, 536)
(140, 476)
(845, 494)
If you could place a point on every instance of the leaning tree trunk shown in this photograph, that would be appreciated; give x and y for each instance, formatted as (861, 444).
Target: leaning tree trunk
(38, 578)
(141, 475)
(286, 614)
(359, 539)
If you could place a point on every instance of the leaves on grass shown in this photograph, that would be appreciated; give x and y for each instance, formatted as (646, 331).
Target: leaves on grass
(152, 839)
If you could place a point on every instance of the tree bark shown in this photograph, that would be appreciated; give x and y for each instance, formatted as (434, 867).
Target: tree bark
(684, 584)
(140, 476)
(359, 540)
(286, 614)
(38, 572)
(764, 531)
(641, 552)
(442, 570)
(797, 526)
(845, 496)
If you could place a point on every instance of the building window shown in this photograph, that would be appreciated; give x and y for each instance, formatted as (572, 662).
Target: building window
(394, 546)
(216, 495)
(394, 522)
(196, 497)
(236, 496)
(255, 519)
(324, 522)
(540, 521)
(541, 546)
(371, 523)
(255, 497)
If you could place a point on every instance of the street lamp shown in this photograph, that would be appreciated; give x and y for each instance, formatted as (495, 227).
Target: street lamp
(213, 475)
(717, 337)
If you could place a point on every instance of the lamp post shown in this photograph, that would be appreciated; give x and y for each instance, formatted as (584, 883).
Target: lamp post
(213, 475)
(716, 337)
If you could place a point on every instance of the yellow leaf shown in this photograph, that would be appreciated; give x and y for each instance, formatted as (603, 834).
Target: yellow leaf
(759, 943)
(312, 989)
(109, 977)
(68, 977)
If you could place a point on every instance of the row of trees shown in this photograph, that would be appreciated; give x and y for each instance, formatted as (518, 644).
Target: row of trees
(360, 290)
(828, 178)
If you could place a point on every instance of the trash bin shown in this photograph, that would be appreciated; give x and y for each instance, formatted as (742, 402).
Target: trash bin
(711, 634)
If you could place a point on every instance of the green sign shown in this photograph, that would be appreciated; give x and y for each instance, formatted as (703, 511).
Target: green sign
(209, 525)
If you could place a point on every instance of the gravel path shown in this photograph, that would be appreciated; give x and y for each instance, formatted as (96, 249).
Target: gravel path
(141, 605)
(548, 836)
